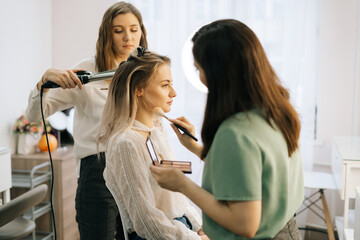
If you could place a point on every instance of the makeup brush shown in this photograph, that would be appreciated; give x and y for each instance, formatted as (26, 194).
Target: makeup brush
(158, 111)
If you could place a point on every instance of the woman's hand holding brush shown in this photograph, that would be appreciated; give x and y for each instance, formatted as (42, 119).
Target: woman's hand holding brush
(185, 140)
(186, 132)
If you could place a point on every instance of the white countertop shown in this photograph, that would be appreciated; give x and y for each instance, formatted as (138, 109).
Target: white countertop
(357, 214)
(349, 147)
(5, 173)
(4, 150)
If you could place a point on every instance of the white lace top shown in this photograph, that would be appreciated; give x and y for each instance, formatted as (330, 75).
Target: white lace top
(145, 207)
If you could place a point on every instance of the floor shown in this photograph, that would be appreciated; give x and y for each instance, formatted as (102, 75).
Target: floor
(317, 234)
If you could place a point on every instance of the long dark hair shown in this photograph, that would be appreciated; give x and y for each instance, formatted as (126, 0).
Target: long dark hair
(104, 57)
(239, 77)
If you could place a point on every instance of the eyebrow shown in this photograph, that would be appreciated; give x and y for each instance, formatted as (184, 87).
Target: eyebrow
(133, 25)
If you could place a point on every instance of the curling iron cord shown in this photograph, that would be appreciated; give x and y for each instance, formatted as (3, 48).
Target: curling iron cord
(85, 77)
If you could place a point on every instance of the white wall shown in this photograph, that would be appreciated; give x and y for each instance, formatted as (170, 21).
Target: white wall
(356, 123)
(338, 87)
(25, 52)
(75, 27)
(338, 65)
(36, 35)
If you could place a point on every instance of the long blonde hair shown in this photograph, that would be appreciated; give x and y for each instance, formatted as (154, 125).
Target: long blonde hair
(122, 103)
(104, 57)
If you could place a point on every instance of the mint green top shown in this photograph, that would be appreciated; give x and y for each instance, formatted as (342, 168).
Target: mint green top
(248, 160)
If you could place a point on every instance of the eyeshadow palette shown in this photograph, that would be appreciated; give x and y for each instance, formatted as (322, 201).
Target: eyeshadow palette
(185, 167)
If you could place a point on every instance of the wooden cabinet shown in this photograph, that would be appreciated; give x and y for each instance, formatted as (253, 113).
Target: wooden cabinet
(65, 184)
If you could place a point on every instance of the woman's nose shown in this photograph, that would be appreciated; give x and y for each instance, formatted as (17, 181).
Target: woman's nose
(173, 92)
(127, 36)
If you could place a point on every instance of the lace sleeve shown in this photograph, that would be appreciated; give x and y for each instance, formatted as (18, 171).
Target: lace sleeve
(133, 178)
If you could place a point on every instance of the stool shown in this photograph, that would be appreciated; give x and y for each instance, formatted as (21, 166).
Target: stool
(320, 181)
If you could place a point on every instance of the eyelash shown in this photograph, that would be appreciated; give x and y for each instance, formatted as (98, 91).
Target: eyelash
(134, 31)
(166, 85)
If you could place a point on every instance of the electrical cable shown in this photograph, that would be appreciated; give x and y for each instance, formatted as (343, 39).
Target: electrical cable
(51, 162)
(85, 77)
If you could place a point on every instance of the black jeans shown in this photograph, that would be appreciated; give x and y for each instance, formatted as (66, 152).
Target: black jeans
(96, 210)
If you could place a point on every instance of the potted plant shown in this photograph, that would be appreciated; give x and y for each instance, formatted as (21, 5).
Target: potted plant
(28, 133)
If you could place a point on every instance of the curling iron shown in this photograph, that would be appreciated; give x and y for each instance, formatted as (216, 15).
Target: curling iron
(85, 77)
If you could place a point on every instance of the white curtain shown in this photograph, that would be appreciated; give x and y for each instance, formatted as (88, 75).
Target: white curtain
(286, 28)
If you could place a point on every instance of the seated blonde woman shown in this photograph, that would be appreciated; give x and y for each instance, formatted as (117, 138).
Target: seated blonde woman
(140, 84)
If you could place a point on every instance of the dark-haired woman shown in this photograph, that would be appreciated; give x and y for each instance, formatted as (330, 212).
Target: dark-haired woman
(121, 31)
(252, 181)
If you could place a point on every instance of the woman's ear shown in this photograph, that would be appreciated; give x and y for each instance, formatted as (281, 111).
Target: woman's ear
(139, 92)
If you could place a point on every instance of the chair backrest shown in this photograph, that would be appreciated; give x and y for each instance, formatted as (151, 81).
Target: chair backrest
(22, 204)
(122, 215)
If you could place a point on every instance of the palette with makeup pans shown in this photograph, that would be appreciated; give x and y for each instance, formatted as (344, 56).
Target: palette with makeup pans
(184, 166)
